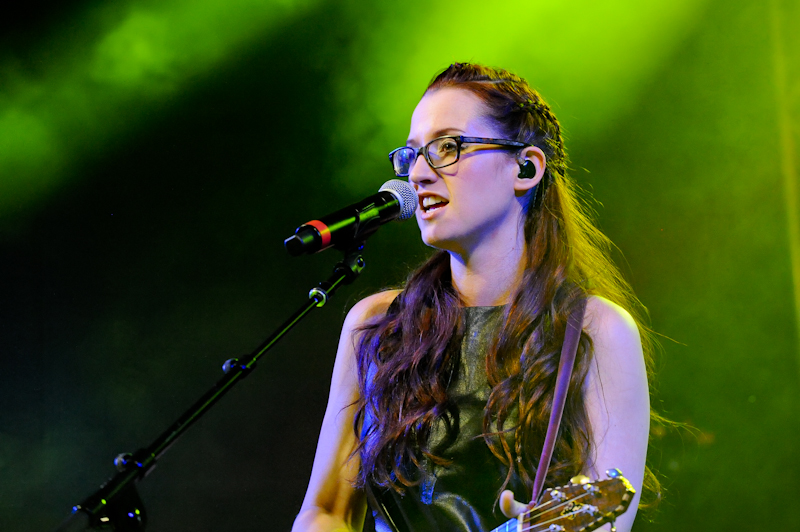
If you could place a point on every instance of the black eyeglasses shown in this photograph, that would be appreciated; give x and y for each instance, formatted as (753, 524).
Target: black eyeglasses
(440, 152)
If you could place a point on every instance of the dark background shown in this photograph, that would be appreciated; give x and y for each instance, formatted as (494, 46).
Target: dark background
(149, 250)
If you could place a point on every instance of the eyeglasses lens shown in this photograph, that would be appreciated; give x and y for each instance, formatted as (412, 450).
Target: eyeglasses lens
(443, 152)
(402, 161)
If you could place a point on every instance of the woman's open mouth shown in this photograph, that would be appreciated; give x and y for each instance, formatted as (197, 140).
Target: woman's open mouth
(430, 203)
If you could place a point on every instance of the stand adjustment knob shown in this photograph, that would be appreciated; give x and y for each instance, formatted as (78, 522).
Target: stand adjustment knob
(122, 460)
(229, 364)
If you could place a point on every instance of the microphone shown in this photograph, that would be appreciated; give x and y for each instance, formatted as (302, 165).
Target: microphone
(353, 224)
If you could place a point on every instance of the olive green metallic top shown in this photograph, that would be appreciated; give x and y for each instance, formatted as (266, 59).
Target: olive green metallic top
(460, 497)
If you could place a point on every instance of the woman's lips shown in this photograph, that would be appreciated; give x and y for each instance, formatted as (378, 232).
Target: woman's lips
(430, 212)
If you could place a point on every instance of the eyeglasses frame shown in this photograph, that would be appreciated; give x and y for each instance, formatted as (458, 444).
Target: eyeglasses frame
(460, 140)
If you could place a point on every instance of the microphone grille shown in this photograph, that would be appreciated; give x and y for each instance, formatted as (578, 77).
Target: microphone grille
(405, 194)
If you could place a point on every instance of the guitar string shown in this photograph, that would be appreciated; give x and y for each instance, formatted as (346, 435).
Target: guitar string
(563, 503)
(544, 523)
(543, 508)
(524, 521)
(533, 527)
(540, 510)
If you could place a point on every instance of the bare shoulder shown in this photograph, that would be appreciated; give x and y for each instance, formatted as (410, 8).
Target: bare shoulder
(610, 325)
(344, 371)
(369, 307)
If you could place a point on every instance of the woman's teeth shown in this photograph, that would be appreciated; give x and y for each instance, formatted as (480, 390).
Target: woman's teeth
(429, 202)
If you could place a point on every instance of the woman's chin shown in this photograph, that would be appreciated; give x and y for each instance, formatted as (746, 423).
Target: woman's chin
(430, 237)
(441, 242)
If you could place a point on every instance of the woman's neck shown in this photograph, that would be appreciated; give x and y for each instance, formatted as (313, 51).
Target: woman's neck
(487, 277)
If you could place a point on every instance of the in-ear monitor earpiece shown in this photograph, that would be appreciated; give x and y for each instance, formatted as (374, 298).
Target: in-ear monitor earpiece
(527, 170)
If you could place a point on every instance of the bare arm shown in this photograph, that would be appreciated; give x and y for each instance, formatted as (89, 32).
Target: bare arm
(617, 398)
(331, 503)
(617, 401)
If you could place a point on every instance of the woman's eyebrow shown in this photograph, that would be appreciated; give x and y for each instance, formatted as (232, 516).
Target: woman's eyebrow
(439, 133)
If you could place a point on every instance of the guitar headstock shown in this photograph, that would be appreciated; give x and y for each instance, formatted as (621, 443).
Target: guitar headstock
(580, 506)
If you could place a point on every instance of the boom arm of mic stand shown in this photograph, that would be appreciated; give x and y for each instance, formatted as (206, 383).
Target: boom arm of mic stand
(116, 505)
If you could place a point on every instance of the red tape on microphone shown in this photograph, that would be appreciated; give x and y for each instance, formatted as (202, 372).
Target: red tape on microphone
(324, 232)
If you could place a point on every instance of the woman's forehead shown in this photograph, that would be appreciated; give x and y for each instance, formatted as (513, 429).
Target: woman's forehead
(448, 109)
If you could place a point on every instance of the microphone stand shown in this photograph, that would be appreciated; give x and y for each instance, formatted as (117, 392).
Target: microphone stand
(117, 505)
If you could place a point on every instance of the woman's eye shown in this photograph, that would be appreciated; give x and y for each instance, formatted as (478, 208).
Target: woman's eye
(448, 146)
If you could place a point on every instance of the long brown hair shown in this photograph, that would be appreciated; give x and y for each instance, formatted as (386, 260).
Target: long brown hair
(405, 358)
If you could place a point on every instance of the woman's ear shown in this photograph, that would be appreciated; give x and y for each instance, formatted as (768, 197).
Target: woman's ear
(532, 162)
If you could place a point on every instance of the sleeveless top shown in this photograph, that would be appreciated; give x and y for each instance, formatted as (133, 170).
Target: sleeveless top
(460, 497)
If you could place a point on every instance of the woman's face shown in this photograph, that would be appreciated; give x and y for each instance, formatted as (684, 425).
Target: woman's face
(474, 200)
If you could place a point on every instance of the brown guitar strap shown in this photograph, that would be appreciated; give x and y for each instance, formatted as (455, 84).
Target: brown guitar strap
(571, 338)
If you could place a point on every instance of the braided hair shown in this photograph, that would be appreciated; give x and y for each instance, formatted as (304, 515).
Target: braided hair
(517, 110)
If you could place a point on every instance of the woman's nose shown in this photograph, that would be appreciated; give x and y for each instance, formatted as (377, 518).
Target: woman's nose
(420, 171)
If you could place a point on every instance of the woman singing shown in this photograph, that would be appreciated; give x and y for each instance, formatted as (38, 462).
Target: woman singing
(441, 391)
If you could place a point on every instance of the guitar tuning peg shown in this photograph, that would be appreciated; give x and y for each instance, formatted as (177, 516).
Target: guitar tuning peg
(614, 473)
(580, 479)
